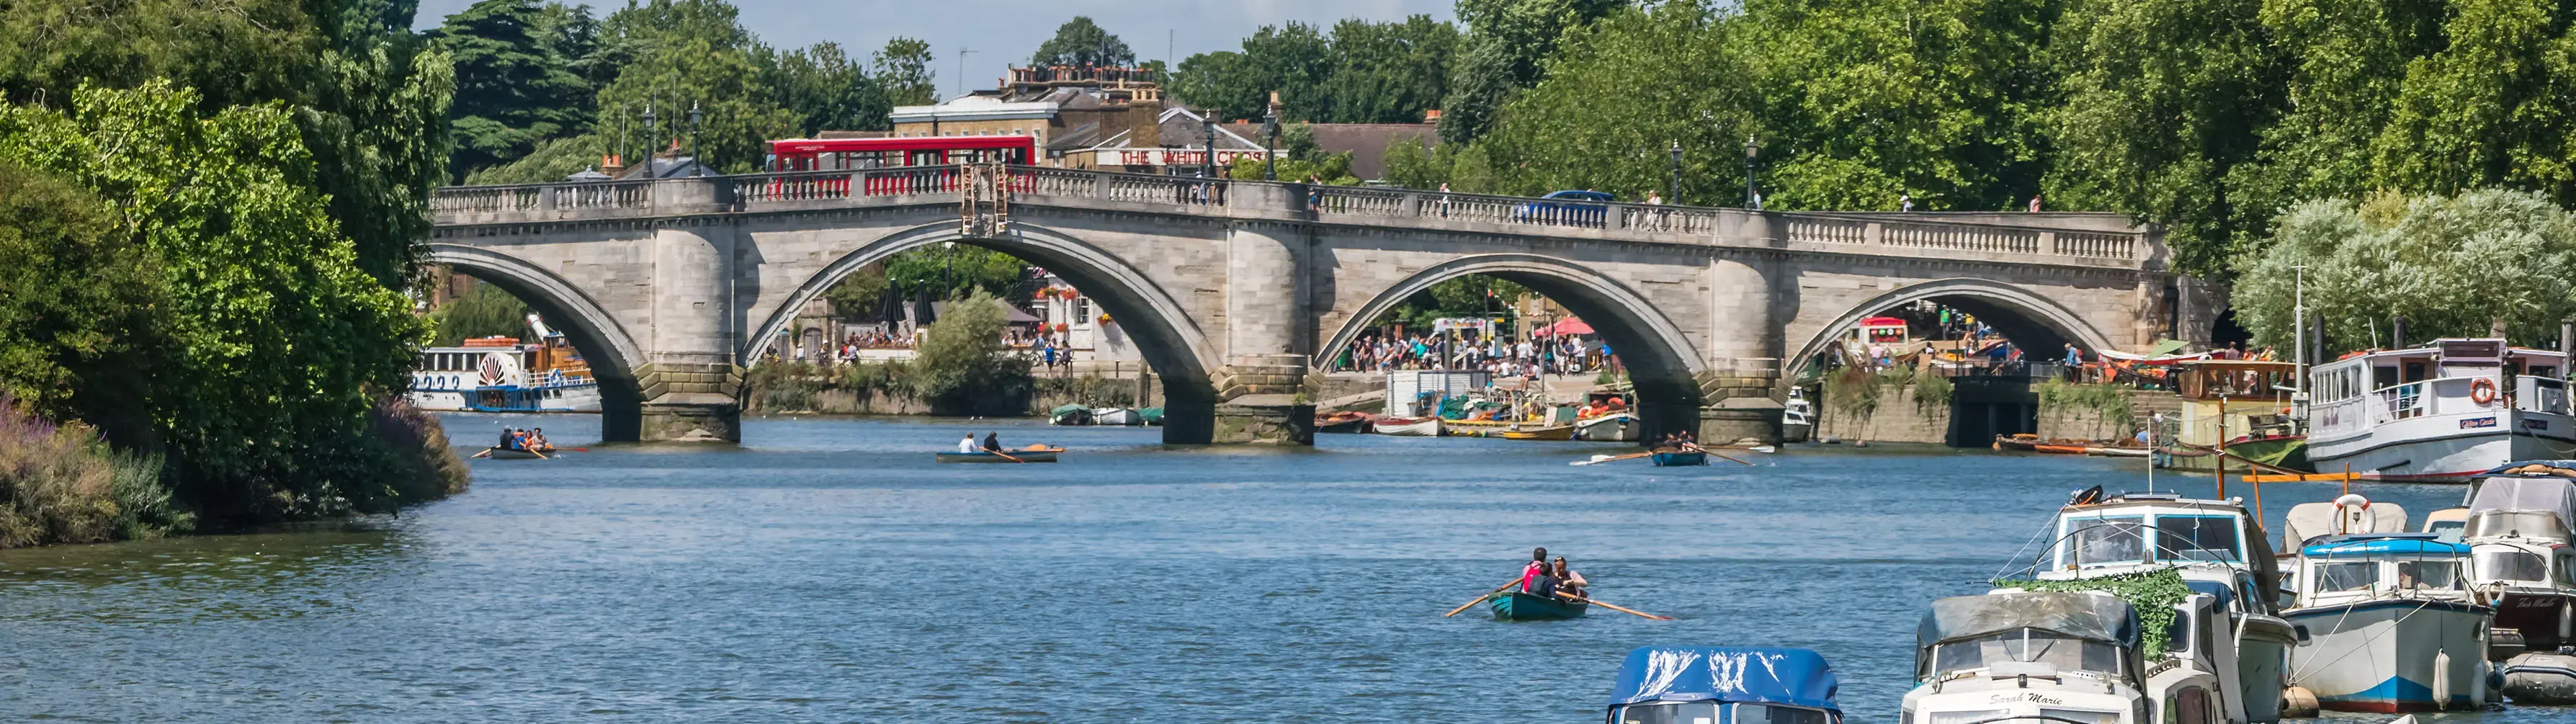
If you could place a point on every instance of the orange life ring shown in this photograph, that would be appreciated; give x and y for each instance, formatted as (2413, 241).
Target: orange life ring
(2482, 391)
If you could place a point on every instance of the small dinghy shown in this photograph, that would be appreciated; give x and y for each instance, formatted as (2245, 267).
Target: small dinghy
(500, 453)
(1518, 606)
(1046, 455)
(1680, 458)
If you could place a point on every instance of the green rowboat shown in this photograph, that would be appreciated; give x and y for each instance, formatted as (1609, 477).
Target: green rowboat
(1518, 606)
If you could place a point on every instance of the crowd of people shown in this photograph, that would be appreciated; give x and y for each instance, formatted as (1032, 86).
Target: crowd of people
(1503, 358)
(531, 440)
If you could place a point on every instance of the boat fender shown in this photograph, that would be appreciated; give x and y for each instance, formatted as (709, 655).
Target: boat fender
(2298, 702)
(2482, 391)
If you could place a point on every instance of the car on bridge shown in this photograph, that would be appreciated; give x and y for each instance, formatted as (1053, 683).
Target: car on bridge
(1566, 207)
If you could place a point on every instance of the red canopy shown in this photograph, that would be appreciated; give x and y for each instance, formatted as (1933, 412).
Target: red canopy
(1568, 325)
(1882, 322)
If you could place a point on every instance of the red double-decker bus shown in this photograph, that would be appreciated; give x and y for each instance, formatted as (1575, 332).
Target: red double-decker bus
(854, 154)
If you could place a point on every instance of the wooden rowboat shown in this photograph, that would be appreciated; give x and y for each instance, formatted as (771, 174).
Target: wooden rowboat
(1408, 426)
(1680, 458)
(1025, 456)
(2022, 442)
(498, 453)
(1518, 606)
(1560, 432)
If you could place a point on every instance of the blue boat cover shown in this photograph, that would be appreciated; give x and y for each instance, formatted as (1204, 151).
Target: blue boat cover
(2225, 594)
(2367, 544)
(1796, 677)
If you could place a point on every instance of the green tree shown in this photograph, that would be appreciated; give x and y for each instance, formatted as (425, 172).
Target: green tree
(826, 90)
(1080, 42)
(953, 270)
(275, 344)
(486, 311)
(2166, 102)
(1680, 78)
(1387, 72)
(860, 296)
(2413, 256)
(692, 54)
(513, 90)
(79, 306)
(1504, 49)
(961, 368)
(2492, 106)
(902, 69)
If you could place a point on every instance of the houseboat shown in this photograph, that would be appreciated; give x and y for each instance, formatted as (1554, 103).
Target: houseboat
(502, 374)
(2439, 413)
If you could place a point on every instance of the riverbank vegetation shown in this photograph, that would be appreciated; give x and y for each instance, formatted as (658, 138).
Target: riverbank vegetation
(210, 212)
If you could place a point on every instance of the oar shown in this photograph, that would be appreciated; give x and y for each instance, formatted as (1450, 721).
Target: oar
(1479, 599)
(1598, 459)
(1621, 610)
(485, 453)
(540, 456)
(1723, 455)
(1006, 456)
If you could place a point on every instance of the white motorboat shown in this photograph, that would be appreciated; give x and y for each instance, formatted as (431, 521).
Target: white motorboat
(1797, 417)
(2220, 552)
(2442, 412)
(2067, 656)
(2388, 623)
(1116, 416)
(500, 374)
(1615, 427)
(1408, 426)
(2517, 529)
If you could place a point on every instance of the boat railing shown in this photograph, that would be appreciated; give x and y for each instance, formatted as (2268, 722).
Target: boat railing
(2399, 402)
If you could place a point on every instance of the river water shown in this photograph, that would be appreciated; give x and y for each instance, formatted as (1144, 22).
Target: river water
(827, 570)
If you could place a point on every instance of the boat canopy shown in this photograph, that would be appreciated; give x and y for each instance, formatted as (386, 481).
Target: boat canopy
(2088, 616)
(1060, 410)
(1796, 677)
(2365, 545)
(2519, 495)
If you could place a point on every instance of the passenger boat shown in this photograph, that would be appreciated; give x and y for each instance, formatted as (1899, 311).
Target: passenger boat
(1554, 432)
(2214, 548)
(1116, 416)
(1408, 426)
(1614, 427)
(2391, 624)
(499, 374)
(2441, 413)
(1680, 458)
(1015, 456)
(2517, 529)
(2066, 656)
(1518, 606)
(1680, 684)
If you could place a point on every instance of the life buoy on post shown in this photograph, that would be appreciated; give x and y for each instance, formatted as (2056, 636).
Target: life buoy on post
(2482, 391)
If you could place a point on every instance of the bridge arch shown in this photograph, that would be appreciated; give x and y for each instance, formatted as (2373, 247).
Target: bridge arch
(1659, 358)
(611, 352)
(1171, 342)
(2035, 322)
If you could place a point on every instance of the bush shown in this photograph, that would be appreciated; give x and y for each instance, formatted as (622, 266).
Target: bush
(62, 484)
(1931, 390)
(2111, 402)
(961, 368)
(1089, 390)
(791, 386)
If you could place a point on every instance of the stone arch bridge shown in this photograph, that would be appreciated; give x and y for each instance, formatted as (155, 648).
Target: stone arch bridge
(1235, 290)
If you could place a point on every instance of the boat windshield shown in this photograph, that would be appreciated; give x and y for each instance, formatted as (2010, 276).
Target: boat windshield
(1688, 712)
(2027, 645)
(2525, 523)
(2512, 565)
(2442, 575)
(2346, 576)
(2109, 539)
(2197, 538)
(1775, 714)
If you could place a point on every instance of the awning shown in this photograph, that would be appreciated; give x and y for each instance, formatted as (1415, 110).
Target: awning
(1796, 677)
(1568, 325)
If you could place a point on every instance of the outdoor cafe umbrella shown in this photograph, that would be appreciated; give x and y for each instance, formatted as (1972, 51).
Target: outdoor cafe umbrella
(923, 314)
(1568, 325)
(890, 308)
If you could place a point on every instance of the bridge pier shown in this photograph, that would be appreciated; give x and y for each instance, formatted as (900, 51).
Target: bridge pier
(1743, 364)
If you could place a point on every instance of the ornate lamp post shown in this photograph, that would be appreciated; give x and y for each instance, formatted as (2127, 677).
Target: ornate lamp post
(1207, 124)
(1676, 198)
(1270, 151)
(1752, 198)
(652, 143)
(697, 119)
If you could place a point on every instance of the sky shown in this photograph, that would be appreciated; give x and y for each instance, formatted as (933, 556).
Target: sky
(1005, 32)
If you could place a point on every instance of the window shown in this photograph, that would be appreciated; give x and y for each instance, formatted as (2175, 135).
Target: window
(2511, 565)
(2441, 575)
(2196, 538)
(2109, 539)
(2026, 645)
(1964, 717)
(1695, 712)
(1770, 714)
(2346, 576)
(2108, 717)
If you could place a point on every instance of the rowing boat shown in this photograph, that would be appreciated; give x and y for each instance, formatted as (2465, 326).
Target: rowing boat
(500, 453)
(1679, 458)
(1560, 432)
(1518, 606)
(1024, 456)
(1408, 426)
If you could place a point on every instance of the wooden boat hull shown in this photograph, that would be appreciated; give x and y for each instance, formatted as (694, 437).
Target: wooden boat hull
(1518, 606)
(1345, 425)
(1025, 456)
(507, 454)
(1561, 432)
(1400, 427)
(1680, 459)
(2021, 443)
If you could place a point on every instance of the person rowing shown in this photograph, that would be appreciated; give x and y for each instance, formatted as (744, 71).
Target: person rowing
(1569, 584)
(992, 442)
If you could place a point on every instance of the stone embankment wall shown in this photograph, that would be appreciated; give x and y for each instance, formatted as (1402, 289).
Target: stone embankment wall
(1897, 419)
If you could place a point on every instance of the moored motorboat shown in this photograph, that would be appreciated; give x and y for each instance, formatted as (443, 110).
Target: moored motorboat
(1614, 427)
(1518, 606)
(1006, 456)
(1116, 416)
(1408, 426)
(2517, 528)
(2391, 624)
(1748, 685)
(1071, 414)
(2065, 656)
(1680, 458)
